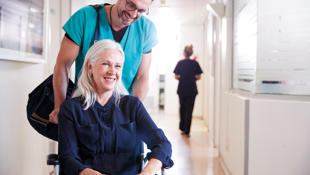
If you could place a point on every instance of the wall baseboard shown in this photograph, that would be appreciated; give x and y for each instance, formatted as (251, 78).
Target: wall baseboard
(223, 165)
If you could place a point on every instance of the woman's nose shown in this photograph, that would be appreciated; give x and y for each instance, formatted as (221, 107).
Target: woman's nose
(112, 69)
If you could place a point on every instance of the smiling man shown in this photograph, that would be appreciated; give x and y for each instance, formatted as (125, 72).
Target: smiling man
(123, 22)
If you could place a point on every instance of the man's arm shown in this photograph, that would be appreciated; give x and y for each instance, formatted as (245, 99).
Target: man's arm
(140, 85)
(66, 56)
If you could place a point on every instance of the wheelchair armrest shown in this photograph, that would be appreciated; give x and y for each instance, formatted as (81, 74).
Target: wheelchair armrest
(52, 159)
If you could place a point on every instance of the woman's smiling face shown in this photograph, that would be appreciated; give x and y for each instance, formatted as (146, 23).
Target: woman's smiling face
(107, 70)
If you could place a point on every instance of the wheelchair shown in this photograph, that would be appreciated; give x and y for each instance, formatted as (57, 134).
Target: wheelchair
(52, 159)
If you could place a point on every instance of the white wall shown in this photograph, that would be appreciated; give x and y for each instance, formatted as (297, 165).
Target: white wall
(217, 82)
(22, 149)
(279, 136)
(233, 133)
(77, 4)
(20, 145)
(206, 78)
(267, 136)
(165, 55)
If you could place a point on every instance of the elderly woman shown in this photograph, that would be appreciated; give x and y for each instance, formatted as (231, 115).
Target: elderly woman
(99, 128)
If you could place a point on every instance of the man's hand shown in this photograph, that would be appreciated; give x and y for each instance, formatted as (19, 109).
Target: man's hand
(53, 117)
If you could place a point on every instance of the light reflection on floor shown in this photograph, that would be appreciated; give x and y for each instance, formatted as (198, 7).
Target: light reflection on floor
(191, 156)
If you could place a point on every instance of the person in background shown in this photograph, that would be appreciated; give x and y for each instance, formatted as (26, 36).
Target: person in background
(123, 22)
(187, 71)
(100, 128)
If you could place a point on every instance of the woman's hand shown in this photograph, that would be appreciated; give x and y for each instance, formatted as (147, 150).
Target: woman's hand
(176, 76)
(151, 167)
(88, 171)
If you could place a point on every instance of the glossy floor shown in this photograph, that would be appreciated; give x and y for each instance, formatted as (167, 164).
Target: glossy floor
(191, 155)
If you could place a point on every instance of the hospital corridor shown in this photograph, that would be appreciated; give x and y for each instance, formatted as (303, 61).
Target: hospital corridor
(193, 155)
(247, 86)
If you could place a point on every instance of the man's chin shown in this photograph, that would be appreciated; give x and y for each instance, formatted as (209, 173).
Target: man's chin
(127, 22)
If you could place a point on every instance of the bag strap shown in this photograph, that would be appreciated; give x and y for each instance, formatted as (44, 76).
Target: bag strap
(97, 7)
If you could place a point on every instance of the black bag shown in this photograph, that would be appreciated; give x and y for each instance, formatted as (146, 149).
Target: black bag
(41, 101)
(41, 104)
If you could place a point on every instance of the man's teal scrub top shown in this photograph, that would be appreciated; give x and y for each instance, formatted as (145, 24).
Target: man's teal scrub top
(140, 37)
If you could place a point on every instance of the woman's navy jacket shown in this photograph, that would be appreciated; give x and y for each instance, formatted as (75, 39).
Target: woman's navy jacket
(105, 138)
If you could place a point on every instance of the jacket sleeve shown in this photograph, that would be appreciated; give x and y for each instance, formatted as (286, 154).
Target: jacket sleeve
(70, 161)
(153, 136)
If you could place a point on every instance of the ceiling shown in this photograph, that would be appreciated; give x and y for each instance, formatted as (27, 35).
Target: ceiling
(186, 11)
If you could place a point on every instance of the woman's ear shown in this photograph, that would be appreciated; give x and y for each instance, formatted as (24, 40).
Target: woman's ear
(89, 67)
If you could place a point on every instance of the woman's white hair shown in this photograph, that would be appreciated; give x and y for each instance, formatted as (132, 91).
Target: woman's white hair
(86, 86)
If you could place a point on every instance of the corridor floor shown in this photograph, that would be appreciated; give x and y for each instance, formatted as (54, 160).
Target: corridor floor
(193, 155)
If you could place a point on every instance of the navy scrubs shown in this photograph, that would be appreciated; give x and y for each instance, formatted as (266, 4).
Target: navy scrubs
(105, 138)
(187, 69)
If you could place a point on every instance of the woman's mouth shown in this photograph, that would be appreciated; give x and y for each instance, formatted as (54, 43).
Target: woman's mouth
(110, 78)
